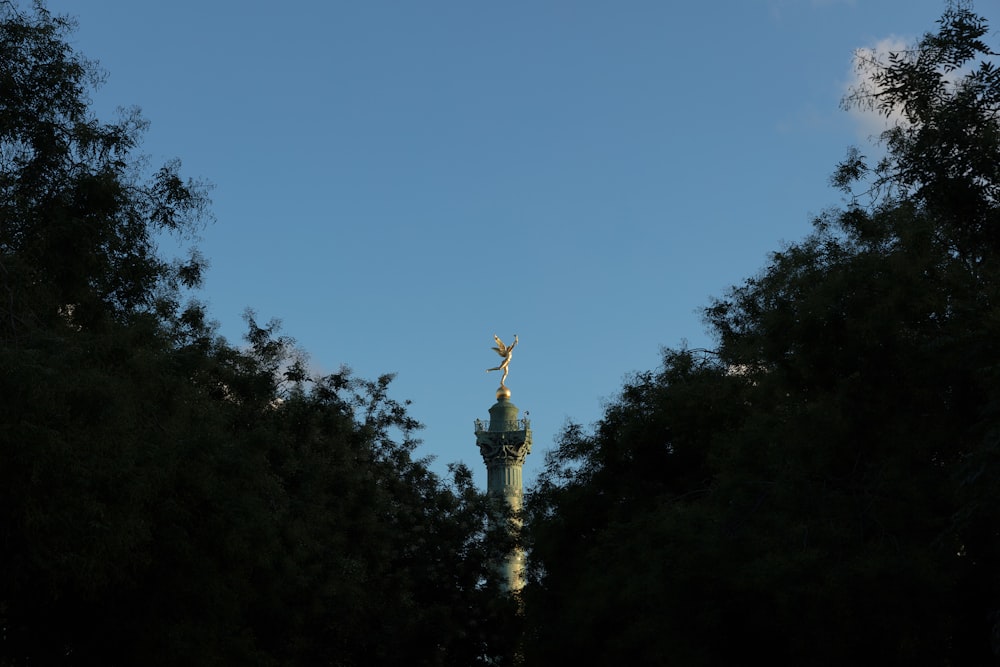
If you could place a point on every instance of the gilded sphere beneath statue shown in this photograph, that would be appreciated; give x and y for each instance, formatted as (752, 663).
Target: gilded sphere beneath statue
(503, 392)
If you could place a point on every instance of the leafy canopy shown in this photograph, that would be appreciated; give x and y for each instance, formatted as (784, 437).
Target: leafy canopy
(820, 489)
(167, 497)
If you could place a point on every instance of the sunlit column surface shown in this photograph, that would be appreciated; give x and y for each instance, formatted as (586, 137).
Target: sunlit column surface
(504, 444)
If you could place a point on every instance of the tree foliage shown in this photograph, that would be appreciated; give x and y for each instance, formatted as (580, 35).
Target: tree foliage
(820, 489)
(167, 497)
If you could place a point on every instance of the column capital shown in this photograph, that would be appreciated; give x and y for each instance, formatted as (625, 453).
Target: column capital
(504, 447)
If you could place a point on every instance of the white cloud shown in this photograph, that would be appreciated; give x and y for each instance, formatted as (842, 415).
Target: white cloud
(871, 122)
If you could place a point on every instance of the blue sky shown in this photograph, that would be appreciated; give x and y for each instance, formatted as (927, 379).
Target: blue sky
(398, 181)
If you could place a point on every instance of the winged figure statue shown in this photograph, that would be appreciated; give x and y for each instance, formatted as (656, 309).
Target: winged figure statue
(505, 352)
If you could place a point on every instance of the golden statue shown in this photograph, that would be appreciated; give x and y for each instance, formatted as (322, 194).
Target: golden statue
(506, 353)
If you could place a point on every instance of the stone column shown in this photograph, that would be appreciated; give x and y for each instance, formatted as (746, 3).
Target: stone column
(504, 444)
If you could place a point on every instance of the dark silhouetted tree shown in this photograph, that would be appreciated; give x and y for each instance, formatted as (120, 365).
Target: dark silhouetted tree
(167, 497)
(822, 489)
